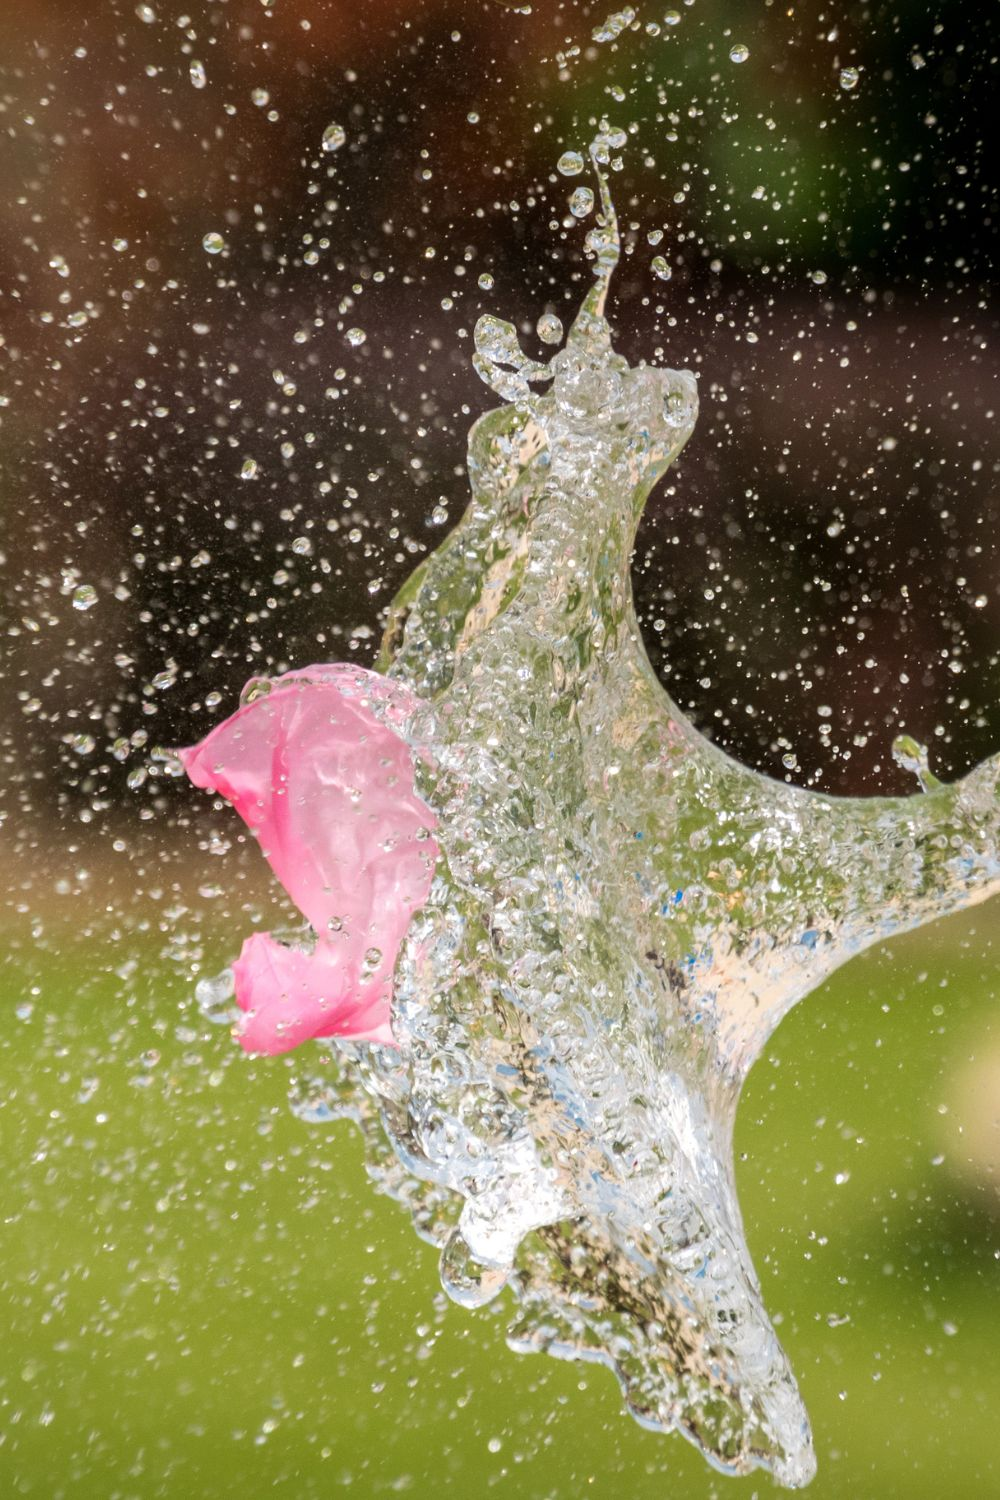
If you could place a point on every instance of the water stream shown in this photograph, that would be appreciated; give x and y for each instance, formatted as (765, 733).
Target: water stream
(617, 918)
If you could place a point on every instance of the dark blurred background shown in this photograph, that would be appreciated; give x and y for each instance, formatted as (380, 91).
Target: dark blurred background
(820, 571)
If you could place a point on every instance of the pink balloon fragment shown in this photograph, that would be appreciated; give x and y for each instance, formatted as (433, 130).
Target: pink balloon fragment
(316, 766)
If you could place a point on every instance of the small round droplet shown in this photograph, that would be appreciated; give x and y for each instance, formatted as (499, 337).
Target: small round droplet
(84, 597)
(738, 53)
(581, 202)
(355, 337)
(819, 277)
(570, 164)
(302, 546)
(213, 243)
(334, 137)
(249, 469)
(485, 282)
(197, 74)
(660, 268)
(549, 329)
(119, 244)
(146, 13)
(671, 18)
(849, 78)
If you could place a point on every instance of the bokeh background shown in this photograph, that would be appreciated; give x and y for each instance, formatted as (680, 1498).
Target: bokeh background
(206, 473)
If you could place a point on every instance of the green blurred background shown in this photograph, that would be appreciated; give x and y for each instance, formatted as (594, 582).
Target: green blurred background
(201, 1295)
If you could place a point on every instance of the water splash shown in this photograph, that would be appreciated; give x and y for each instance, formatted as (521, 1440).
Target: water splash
(620, 918)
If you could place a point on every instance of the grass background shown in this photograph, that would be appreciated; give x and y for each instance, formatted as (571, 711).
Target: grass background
(204, 1296)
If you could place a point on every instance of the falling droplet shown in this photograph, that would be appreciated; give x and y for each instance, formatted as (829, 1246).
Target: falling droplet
(84, 597)
(249, 469)
(849, 78)
(119, 244)
(197, 74)
(819, 277)
(146, 13)
(355, 337)
(334, 137)
(570, 164)
(485, 281)
(739, 53)
(581, 202)
(672, 18)
(660, 268)
(549, 329)
(213, 243)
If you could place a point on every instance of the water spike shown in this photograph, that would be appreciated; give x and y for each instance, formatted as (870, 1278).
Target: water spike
(605, 241)
(912, 756)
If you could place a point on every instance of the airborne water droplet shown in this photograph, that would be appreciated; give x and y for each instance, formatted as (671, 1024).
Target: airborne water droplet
(485, 281)
(355, 337)
(197, 74)
(213, 243)
(334, 137)
(249, 469)
(739, 53)
(549, 329)
(849, 78)
(84, 597)
(581, 202)
(659, 267)
(570, 164)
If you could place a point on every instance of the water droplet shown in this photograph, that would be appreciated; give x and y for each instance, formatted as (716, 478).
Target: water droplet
(671, 18)
(615, 24)
(197, 74)
(581, 202)
(485, 281)
(738, 53)
(849, 78)
(249, 469)
(334, 137)
(570, 164)
(819, 277)
(260, 97)
(660, 268)
(146, 13)
(84, 597)
(213, 243)
(302, 546)
(355, 337)
(549, 329)
(119, 244)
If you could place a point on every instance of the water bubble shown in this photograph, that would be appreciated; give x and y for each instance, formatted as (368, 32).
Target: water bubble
(213, 243)
(738, 53)
(302, 546)
(671, 18)
(249, 469)
(334, 137)
(485, 281)
(849, 78)
(260, 97)
(355, 337)
(660, 268)
(549, 329)
(581, 202)
(84, 597)
(570, 164)
(819, 277)
(197, 74)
